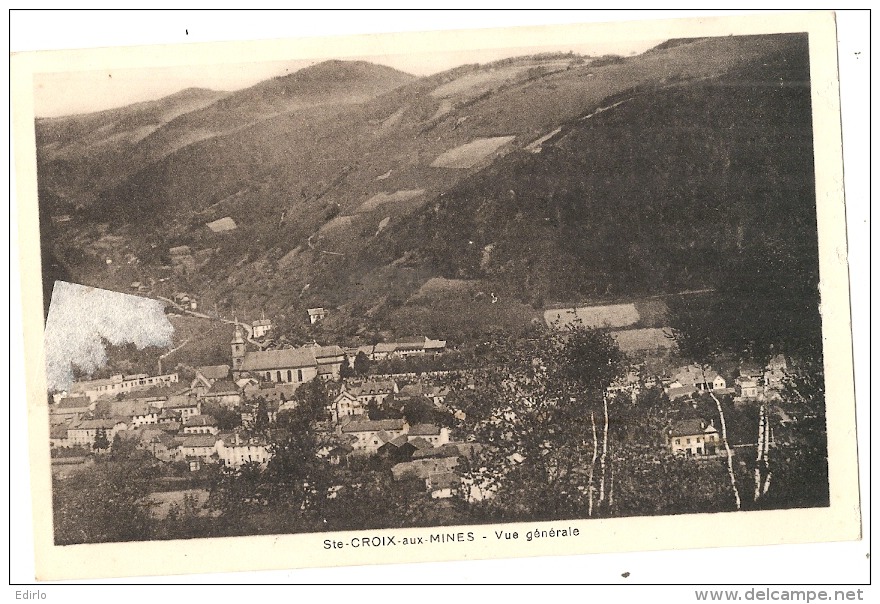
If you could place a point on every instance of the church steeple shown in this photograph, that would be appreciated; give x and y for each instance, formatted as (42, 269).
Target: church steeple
(238, 346)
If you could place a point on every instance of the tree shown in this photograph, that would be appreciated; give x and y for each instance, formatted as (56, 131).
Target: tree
(123, 448)
(362, 363)
(346, 370)
(101, 441)
(293, 488)
(108, 503)
(536, 412)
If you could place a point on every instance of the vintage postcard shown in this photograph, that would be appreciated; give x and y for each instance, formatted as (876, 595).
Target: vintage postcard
(419, 297)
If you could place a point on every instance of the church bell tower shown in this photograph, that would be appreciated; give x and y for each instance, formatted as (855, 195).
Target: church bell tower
(238, 347)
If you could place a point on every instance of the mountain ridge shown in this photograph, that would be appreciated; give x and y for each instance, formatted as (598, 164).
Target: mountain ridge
(339, 205)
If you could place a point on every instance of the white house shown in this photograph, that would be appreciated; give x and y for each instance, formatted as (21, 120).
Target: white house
(345, 404)
(84, 432)
(693, 437)
(697, 377)
(316, 314)
(200, 424)
(434, 434)
(370, 435)
(235, 451)
(261, 327)
(201, 446)
(121, 383)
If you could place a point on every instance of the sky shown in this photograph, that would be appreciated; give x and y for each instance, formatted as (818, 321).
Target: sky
(83, 91)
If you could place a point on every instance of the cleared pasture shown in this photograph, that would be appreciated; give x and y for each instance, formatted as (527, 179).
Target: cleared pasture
(648, 338)
(380, 199)
(609, 315)
(470, 154)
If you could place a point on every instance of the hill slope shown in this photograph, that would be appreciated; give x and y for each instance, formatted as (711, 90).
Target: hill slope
(524, 181)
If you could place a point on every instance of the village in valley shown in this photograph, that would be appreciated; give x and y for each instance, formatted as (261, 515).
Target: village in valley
(562, 284)
(203, 421)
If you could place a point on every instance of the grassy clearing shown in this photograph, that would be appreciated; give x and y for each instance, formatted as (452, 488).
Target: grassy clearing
(470, 154)
(380, 199)
(611, 315)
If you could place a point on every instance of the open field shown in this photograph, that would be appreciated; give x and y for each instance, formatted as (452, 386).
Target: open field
(470, 154)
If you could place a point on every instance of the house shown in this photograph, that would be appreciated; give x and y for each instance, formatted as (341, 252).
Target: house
(374, 390)
(235, 451)
(747, 387)
(410, 347)
(384, 350)
(163, 447)
(423, 468)
(370, 435)
(180, 406)
(345, 404)
(208, 374)
(72, 407)
(693, 437)
(84, 432)
(775, 374)
(200, 446)
(137, 413)
(121, 383)
(224, 393)
(397, 449)
(435, 435)
(434, 346)
(697, 377)
(260, 328)
(200, 424)
(58, 436)
(442, 485)
(316, 314)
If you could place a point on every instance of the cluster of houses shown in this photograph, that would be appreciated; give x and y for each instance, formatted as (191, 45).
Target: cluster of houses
(753, 382)
(164, 416)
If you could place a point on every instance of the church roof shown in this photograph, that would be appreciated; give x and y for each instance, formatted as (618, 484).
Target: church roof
(279, 359)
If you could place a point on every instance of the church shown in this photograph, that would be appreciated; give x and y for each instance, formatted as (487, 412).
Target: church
(285, 366)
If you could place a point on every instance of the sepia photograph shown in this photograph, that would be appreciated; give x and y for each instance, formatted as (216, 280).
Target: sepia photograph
(494, 293)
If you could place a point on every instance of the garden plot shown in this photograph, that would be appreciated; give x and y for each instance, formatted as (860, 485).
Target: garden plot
(470, 154)
(380, 199)
(610, 315)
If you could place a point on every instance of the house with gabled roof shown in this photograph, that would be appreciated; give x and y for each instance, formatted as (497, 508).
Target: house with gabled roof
(442, 485)
(201, 446)
(200, 424)
(345, 404)
(372, 434)
(260, 328)
(436, 435)
(84, 432)
(697, 377)
(137, 413)
(72, 407)
(693, 437)
(224, 393)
